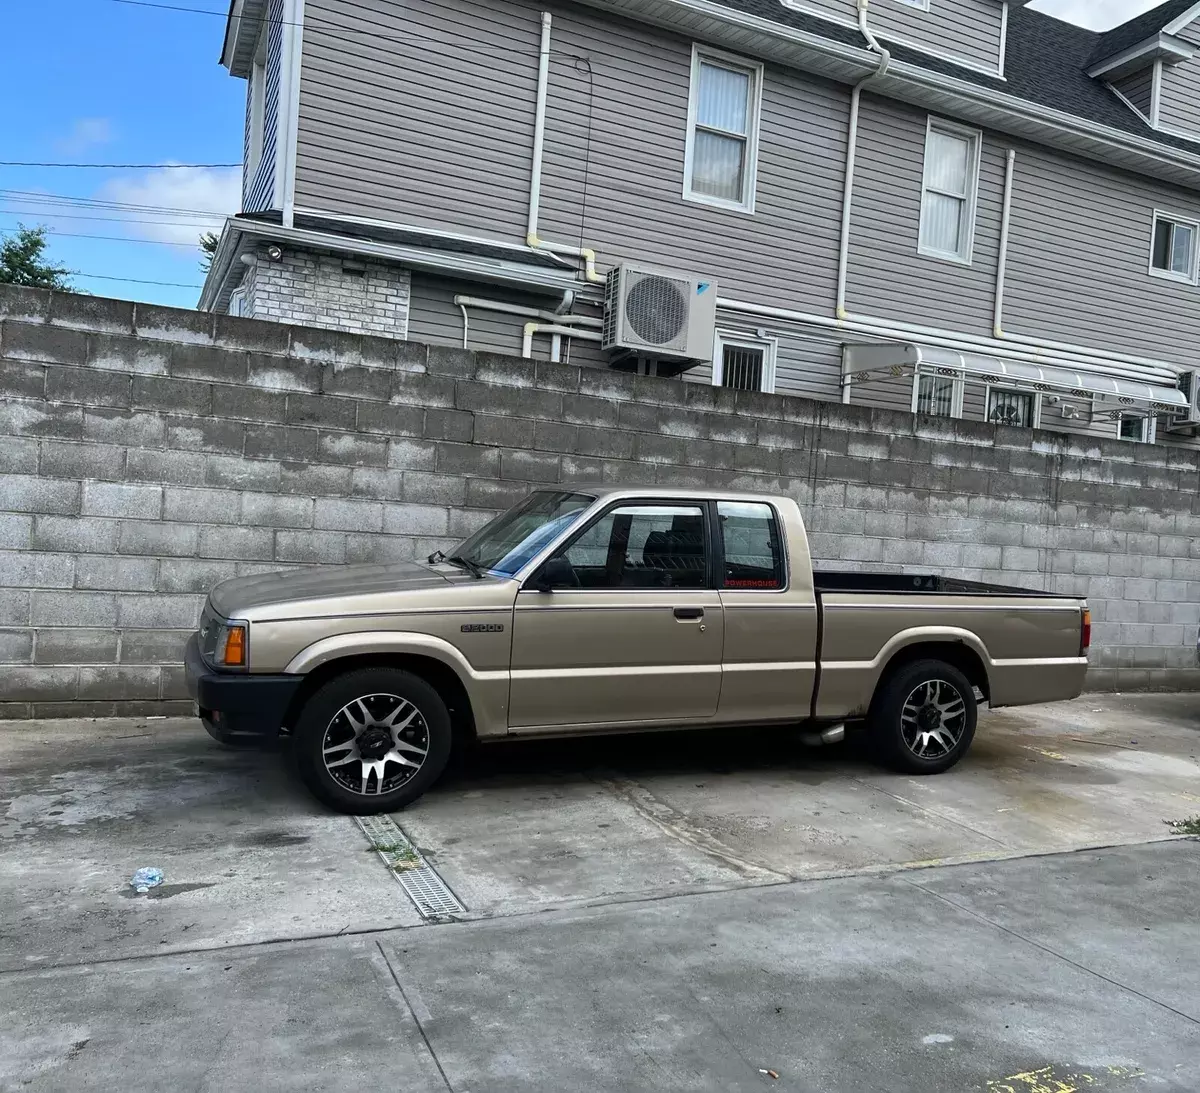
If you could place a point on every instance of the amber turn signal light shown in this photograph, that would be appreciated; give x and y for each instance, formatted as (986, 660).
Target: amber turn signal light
(1085, 634)
(235, 647)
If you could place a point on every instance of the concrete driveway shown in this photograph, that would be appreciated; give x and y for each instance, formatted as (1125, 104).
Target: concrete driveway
(673, 912)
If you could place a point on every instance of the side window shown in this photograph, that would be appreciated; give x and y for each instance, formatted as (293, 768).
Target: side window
(643, 546)
(753, 548)
(949, 192)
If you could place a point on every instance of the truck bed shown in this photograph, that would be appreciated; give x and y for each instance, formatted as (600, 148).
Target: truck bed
(928, 584)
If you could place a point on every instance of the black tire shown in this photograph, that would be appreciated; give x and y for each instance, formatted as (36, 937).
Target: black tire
(901, 724)
(324, 718)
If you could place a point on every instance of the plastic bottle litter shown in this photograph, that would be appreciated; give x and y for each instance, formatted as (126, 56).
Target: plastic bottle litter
(145, 879)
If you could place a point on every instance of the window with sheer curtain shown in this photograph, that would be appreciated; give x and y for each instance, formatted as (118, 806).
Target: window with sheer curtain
(948, 193)
(722, 140)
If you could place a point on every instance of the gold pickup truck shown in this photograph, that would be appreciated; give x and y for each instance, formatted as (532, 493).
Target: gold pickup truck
(593, 609)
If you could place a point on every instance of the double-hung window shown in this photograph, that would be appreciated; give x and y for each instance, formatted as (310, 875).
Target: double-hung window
(1173, 250)
(721, 161)
(948, 191)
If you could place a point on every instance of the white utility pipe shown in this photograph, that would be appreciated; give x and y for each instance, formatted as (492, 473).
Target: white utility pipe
(542, 328)
(885, 59)
(483, 304)
(1002, 260)
(535, 173)
(466, 325)
(556, 348)
(1011, 348)
(539, 129)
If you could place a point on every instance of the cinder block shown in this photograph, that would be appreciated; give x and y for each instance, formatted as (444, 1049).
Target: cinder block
(14, 607)
(287, 442)
(236, 543)
(64, 459)
(72, 534)
(89, 387)
(888, 525)
(1020, 559)
(23, 304)
(503, 370)
(146, 537)
(505, 432)
(73, 609)
(310, 546)
(353, 449)
(489, 493)
(606, 384)
(337, 515)
(29, 493)
(108, 573)
(314, 479)
(1137, 588)
(438, 489)
(551, 436)
(357, 381)
(510, 401)
(158, 612)
(415, 389)
(172, 324)
(550, 376)
(270, 510)
(465, 522)
(633, 416)
(118, 683)
(233, 472)
(206, 362)
(324, 411)
(172, 395)
(465, 459)
(444, 360)
(366, 548)
(382, 417)
(75, 646)
(174, 467)
(34, 569)
(19, 379)
(252, 335)
(19, 455)
(413, 520)
(605, 443)
(326, 345)
(37, 342)
(32, 684)
(207, 435)
(534, 467)
(596, 412)
(131, 356)
(137, 429)
(39, 419)
(16, 646)
(193, 575)
(158, 647)
(440, 424)
(282, 376)
(121, 499)
(200, 506)
(248, 404)
(731, 429)
(376, 484)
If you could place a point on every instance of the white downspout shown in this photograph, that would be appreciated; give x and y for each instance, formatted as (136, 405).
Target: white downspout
(549, 328)
(556, 348)
(1002, 261)
(466, 325)
(535, 173)
(885, 59)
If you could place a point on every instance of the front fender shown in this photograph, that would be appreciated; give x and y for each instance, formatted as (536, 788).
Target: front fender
(487, 691)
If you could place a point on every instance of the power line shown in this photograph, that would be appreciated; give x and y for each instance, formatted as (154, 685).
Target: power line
(39, 197)
(134, 280)
(43, 213)
(157, 166)
(11, 230)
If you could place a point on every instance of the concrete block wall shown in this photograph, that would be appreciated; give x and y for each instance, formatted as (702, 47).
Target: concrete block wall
(147, 453)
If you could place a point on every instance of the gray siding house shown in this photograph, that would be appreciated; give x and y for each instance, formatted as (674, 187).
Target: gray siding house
(955, 207)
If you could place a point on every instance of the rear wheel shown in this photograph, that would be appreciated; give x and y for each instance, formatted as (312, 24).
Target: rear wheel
(923, 718)
(372, 741)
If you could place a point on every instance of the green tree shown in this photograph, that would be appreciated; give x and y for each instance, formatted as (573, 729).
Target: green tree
(208, 244)
(23, 261)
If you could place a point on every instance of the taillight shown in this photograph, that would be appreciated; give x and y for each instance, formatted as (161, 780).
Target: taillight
(1085, 632)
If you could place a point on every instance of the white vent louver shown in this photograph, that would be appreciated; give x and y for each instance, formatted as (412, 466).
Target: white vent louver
(660, 313)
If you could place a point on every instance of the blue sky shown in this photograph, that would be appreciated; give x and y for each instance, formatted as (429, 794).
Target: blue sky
(110, 82)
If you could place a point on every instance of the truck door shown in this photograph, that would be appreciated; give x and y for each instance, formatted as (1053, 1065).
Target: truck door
(769, 662)
(636, 638)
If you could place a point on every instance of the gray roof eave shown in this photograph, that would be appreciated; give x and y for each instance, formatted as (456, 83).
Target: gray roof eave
(241, 35)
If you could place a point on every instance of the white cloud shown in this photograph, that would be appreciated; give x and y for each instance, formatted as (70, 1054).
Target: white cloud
(1095, 14)
(188, 201)
(85, 134)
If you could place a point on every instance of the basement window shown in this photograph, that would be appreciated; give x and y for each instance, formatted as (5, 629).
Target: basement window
(938, 396)
(1012, 408)
(744, 364)
(1173, 249)
(1134, 428)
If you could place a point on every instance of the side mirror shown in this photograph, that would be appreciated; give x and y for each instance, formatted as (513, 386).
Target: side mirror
(555, 573)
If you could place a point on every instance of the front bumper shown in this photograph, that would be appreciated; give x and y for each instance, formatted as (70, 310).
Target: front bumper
(236, 706)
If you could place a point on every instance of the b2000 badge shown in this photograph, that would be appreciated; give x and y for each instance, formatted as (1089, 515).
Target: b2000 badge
(483, 628)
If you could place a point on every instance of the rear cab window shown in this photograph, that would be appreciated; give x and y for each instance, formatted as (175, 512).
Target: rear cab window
(753, 558)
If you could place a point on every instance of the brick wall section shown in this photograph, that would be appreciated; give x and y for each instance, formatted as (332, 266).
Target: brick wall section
(314, 288)
(146, 453)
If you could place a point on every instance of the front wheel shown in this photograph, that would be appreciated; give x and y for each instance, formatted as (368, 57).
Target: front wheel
(372, 740)
(922, 720)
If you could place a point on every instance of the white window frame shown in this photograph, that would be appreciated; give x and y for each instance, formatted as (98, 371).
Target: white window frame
(754, 70)
(1167, 274)
(1149, 429)
(257, 91)
(957, 397)
(1037, 404)
(920, 5)
(770, 351)
(966, 256)
(237, 302)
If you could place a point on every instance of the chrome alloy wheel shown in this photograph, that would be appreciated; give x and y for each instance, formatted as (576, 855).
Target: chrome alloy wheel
(933, 719)
(375, 744)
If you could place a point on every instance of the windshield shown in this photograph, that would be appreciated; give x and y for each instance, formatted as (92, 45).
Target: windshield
(511, 540)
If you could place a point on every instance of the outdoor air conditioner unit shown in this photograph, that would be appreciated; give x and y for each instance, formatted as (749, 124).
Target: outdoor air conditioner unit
(1189, 419)
(659, 313)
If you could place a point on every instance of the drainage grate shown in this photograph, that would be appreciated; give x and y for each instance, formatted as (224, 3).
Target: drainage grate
(420, 881)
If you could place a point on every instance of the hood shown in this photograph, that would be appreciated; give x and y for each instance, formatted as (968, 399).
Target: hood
(346, 590)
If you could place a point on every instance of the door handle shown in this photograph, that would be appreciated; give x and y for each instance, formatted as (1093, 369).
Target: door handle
(689, 612)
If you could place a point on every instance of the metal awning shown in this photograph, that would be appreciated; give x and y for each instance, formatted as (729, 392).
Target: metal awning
(862, 362)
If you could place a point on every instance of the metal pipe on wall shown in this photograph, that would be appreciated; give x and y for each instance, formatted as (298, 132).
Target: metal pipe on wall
(1002, 260)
